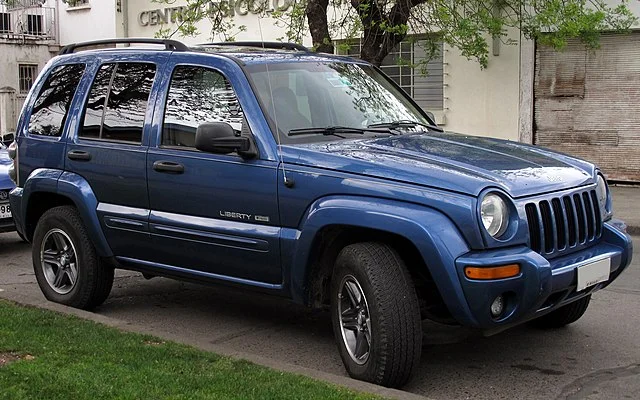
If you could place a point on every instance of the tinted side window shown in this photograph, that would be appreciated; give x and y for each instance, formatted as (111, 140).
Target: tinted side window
(52, 105)
(95, 104)
(198, 95)
(118, 102)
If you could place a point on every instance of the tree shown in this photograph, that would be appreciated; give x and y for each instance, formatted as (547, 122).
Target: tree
(467, 25)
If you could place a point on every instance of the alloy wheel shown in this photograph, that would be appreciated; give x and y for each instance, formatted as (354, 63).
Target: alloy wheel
(355, 321)
(58, 261)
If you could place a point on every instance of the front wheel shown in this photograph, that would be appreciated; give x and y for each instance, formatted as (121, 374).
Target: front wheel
(375, 315)
(564, 315)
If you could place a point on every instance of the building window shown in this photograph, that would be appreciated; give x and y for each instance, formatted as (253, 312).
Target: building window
(77, 3)
(426, 89)
(27, 74)
(5, 22)
(34, 24)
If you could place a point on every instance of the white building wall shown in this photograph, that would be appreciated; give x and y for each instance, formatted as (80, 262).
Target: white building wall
(11, 56)
(483, 102)
(94, 21)
(144, 22)
(15, 50)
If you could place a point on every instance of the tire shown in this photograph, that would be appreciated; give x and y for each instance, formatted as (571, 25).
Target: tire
(60, 238)
(564, 315)
(393, 334)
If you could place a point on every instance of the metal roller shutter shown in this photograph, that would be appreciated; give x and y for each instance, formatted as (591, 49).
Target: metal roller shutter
(587, 103)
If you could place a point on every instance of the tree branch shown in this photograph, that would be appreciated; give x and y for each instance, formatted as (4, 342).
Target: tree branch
(319, 25)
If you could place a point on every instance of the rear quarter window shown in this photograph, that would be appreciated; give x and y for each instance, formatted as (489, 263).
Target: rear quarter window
(51, 107)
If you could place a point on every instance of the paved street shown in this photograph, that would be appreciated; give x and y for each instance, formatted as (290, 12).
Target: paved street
(596, 358)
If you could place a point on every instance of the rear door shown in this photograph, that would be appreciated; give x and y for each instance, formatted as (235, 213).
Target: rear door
(110, 150)
(213, 214)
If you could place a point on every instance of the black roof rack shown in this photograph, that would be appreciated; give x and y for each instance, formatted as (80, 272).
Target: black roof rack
(262, 45)
(169, 44)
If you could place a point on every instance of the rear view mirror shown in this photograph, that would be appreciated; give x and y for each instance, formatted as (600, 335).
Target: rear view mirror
(220, 138)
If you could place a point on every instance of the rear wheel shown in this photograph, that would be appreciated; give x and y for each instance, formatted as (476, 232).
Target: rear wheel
(375, 315)
(66, 265)
(564, 315)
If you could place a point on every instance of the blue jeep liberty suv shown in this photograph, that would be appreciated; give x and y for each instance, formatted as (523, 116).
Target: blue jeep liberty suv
(309, 176)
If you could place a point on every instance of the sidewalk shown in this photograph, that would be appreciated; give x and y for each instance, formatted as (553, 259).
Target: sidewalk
(626, 206)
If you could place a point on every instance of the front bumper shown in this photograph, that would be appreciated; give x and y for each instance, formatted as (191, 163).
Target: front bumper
(543, 285)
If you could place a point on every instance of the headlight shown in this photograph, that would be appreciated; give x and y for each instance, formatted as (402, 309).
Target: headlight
(495, 215)
(602, 192)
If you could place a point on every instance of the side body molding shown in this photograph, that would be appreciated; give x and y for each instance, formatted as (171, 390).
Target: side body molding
(433, 234)
(79, 191)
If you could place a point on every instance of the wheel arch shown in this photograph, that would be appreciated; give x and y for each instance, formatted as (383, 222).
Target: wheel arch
(40, 195)
(416, 232)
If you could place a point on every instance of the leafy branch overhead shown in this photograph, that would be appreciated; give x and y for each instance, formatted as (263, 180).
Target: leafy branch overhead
(468, 25)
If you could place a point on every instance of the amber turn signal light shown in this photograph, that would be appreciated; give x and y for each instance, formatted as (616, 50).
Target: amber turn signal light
(483, 273)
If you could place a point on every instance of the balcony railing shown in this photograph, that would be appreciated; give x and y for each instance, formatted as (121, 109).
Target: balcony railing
(30, 22)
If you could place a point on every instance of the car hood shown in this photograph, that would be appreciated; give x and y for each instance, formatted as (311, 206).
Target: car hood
(465, 164)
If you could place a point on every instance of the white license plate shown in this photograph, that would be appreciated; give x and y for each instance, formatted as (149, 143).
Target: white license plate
(5, 210)
(593, 273)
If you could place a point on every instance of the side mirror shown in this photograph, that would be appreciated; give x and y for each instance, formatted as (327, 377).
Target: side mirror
(220, 138)
(7, 138)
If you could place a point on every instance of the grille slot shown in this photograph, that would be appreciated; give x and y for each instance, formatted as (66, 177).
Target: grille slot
(596, 207)
(547, 225)
(582, 219)
(571, 220)
(534, 226)
(562, 223)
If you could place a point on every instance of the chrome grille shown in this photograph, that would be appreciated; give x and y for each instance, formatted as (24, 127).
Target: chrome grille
(561, 223)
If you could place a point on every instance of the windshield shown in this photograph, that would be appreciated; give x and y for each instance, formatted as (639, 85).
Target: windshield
(328, 94)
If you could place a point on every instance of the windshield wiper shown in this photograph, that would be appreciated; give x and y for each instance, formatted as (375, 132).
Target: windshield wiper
(339, 131)
(405, 123)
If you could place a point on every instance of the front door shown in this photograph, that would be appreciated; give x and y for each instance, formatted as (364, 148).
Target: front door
(215, 215)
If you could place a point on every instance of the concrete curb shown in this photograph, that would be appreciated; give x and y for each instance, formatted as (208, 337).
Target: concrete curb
(204, 345)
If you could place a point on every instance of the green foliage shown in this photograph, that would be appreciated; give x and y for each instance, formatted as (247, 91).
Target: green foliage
(468, 25)
(61, 357)
(555, 21)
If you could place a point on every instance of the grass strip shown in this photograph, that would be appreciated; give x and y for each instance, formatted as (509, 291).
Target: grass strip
(55, 356)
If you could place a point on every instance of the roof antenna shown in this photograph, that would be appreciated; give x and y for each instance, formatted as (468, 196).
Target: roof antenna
(287, 181)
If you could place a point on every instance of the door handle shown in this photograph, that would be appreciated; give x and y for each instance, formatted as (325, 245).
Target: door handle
(79, 155)
(168, 167)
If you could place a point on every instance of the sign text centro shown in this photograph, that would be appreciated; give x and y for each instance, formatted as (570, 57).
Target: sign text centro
(228, 8)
